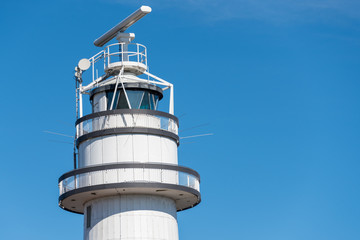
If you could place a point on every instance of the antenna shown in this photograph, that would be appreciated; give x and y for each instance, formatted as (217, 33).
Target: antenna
(122, 26)
(84, 64)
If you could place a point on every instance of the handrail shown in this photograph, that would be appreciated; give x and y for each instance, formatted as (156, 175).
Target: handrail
(129, 165)
(120, 119)
(137, 54)
(127, 111)
(147, 173)
(140, 51)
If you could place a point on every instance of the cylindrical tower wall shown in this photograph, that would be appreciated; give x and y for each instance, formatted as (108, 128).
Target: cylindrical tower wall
(129, 217)
(127, 148)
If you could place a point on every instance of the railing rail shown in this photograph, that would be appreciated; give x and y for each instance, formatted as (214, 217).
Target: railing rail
(118, 52)
(129, 172)
(125, 119)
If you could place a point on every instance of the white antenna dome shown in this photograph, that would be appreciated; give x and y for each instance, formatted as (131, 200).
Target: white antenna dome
(84, 64)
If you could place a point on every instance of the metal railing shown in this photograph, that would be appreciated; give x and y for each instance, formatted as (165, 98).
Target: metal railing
(117, 52)
(116, 119)
(128, 174)
(120, 52)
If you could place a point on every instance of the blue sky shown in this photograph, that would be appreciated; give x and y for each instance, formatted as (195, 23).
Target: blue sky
(277, 82)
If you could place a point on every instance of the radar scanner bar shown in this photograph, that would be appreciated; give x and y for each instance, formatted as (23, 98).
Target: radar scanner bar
(122, 26)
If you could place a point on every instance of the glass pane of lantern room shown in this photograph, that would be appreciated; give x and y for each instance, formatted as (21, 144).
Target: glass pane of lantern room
(122, 103)
(109, 97)
(134, 98)
(152, 101)
(145, 103)
(156, 100)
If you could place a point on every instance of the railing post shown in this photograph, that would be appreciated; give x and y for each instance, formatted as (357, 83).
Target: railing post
(161, 175)
(145, 56)
(108, 56)
(89, 180)
(137, 52)
(104, 56)
(122, 52)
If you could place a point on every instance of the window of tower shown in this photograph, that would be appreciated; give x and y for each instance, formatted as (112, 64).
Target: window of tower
(139, 99)
(88, 216)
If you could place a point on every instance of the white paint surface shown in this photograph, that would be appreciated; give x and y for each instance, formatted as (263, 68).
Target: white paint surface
(130, 217)
(99, 102)
(127, 148)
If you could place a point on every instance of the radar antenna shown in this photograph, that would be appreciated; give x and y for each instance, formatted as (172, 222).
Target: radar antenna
(122, 26)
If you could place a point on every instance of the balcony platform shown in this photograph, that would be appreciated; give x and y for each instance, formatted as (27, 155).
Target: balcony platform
(179, 183)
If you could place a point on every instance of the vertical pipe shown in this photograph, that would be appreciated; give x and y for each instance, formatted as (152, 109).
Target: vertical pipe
(125, 52)
(171, 104)
(80, 101)
(93, 68)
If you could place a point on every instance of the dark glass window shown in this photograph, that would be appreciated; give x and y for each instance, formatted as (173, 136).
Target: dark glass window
(109, 97)
(145, 102)
(135, 97)
(151, 101)
(154, 101)
(88, 216)
(122, 102)
(138, 99)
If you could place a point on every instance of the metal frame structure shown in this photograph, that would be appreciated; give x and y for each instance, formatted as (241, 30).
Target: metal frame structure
(140, 56)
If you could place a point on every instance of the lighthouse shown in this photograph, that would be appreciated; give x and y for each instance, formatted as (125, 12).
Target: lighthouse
(126, 179)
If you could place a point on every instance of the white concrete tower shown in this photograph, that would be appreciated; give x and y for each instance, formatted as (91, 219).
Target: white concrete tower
(126, 181)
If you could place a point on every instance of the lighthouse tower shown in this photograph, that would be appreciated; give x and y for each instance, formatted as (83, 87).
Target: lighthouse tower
(126, 179)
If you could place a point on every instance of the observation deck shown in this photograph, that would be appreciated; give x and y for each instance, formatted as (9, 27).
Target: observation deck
(179, 183)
